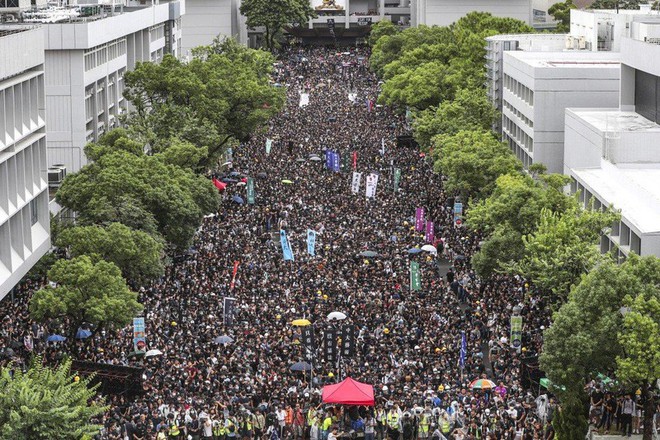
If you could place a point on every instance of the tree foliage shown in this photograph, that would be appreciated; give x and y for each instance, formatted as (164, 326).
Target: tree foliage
(470, 110)
(46, 404)
(137, 254)
(85, 292)
(472, 161)
(218, 98)
(274, 15)
(617, 4)
(563, 248)
(142, 192)
(381, 28)
(561, 12)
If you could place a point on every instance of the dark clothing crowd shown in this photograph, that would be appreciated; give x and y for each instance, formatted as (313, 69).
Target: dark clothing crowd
(408, 342)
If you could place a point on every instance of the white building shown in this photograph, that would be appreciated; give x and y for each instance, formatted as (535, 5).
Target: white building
(613, 156)
(24, 217)
(446, 12)
(206, 19)
(86, 60)
(539, 86)
(603, 30)
(495, 48)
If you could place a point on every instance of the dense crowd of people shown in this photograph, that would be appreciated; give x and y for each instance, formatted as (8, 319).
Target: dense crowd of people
(408, 342)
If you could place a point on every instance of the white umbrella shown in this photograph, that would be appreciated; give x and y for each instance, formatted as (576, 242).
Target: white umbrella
(153, 353)
(241, 184)
(429, 248)
(336, 316)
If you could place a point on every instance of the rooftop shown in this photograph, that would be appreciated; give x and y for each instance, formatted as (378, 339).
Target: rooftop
(9, 31)
(632, 189)
(616, 120)
(569, 59)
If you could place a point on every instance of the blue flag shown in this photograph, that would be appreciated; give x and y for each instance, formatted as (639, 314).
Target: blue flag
(311, 242)
(461, 360)
(335, 161)
(286, 248)
(328, 159)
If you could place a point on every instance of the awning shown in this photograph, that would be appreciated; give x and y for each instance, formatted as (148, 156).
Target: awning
(349, 392)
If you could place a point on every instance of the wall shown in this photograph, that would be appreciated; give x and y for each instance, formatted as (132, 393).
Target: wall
(445, 12)
(204, 20)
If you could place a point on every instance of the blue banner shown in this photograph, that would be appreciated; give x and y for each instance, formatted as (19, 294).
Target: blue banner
(463, 352)
(311, 242)
(335, 161)
(286, 248)
(328, 159)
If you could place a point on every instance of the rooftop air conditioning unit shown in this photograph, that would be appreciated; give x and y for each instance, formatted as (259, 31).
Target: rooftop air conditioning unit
(55, 177)
(582, 43)
(62, 167)
(569, 42)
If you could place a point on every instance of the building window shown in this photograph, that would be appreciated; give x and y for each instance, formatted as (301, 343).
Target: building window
(34, 212)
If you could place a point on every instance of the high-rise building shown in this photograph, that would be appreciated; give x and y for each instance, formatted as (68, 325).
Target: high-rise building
(24, 217)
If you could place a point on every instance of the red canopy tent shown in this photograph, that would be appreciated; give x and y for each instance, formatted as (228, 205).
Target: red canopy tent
(349, 392)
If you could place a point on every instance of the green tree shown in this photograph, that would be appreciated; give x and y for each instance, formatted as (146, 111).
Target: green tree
(85, 292)
(561, 12)
(274, 15)
(502, 248)
(46, 404)
(639, 363)
(472, 161)
(563, 248)
(384, 27)
(137, 254)
(617, 4)
(418, 88)
(141, 192)
(219, 98)
(570, 422)
(470, 110)
(589, 334)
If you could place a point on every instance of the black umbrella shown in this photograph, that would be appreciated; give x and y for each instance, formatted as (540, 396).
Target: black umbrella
(300, 366)
(261, 175)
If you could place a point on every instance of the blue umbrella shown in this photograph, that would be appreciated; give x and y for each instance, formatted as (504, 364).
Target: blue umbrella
(238, 199)
(83, 333)
(55, 338)
(224, 339)
(414, 250)
(234, 174)
(300, 366)
(228, 180)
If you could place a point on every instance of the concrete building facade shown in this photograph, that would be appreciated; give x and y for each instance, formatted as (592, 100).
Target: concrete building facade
(613, 155)
(24, 216)
(85, 67)
(539, 86)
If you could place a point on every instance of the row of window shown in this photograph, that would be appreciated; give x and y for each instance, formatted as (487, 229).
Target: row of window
(20, 106)
(517, 133)
(516, 112)
(103, 101)
(520, 90)
(519, 152)
(157, 32)
(621, 234)
(16, 234)
(101, 54)
(21, 177)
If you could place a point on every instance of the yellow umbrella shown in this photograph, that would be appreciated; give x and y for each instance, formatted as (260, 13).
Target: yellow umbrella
(287, 181)
(300, 322)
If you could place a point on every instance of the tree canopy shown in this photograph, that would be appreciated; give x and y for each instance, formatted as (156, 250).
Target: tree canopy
(46, 404)
(562, 13)
(142, 192)
(137, 254)
(472, 161)
(221, 97)
(274, 15)
(85, 292)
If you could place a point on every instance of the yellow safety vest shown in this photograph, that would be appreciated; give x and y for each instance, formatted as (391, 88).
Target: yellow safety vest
(445, 425)
(381, 416)
(424, 423)
(393, 420)
(174, 430)
(310, 417)
(327, 423)
(218, 430)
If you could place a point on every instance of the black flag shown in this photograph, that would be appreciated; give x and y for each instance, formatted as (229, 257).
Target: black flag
(348, 341)
(228, 311)
(308, 341)
(330, 345)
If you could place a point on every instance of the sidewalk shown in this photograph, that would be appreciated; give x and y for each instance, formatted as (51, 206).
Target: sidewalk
(615, 436)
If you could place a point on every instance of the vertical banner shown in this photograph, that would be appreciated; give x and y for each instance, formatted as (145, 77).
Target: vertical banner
(458, 211)
(355, 184)
(415, 280)
(328, 159)
(354, 160)
(382, 146)
(344, 161)
(372, 182)
(233, 276)
(228, 310)
(250, 191)
(229, 155)
(286, 248)
(335, 161)
(139, 335)
(307, 334)
(311, 242)
(269, 144)
(330, 345)
(430, 232)
(419, 219)
(348, 341)
(516, 331)
(397, 179)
